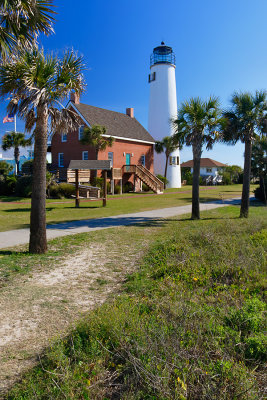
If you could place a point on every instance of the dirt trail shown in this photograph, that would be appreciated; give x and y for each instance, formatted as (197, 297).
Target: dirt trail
(37, 308)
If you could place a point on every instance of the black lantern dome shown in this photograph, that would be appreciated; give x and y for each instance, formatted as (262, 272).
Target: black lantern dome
(162, 55)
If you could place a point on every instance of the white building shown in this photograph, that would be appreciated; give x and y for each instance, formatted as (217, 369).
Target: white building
(163, 108)
(209, 169)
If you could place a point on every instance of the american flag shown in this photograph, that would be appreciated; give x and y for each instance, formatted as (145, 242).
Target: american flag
(8, 118)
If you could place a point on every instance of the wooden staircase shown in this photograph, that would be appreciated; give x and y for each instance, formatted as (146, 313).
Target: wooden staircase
(154, 183)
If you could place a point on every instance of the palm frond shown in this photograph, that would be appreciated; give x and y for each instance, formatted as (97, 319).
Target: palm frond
(22, 21)
(246, 118)
(33, 79)
(14, 139)
(30, 120)
(198, 121)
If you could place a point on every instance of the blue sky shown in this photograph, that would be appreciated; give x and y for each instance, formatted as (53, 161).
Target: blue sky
(220, 47)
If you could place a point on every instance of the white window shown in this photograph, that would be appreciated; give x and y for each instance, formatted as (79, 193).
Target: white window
(81, 129)
(85, 155)
(63, 137)
(110, 157)
(174, 160)
(61, 159)
(143, 160)
(208, 169)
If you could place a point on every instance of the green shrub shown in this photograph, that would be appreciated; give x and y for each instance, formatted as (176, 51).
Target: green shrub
(24, 186)
(248, 319)
(256, 347)
(5, 168)
(7, 185)
(62, 190)
(127, 187)
(117, 189)
(259, 191)
(145, 188)
(163, 179)
(260, 238)
(11, 182)
(27, 167)
(55, 193)
(186, 175)
(226, 178)
(98, 182)
(66, 189)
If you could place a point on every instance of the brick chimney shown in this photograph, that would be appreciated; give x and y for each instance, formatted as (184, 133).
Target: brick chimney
(75, 98)
(130, 112)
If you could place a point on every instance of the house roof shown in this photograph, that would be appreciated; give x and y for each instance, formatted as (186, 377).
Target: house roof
(117, 124)
(204, 162)
(90, 164)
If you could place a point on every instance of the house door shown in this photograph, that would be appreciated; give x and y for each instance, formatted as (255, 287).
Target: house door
(128, 159)
(110, 157)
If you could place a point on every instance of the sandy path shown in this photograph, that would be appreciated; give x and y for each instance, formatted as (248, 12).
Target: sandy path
(37, 308)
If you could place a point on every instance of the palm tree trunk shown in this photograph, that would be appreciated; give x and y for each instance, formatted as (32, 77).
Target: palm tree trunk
(262, 186)
(16, 157)
(166, 167)
(246, 180)
(38, 242)
(196, 174)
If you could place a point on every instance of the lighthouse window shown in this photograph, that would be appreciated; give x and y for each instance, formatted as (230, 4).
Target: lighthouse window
(174, 160)
(152, 77)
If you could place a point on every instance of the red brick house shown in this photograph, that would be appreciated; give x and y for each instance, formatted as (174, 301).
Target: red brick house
(133, 145)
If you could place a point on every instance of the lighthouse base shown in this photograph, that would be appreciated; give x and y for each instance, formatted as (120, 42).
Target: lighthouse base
(174, 176)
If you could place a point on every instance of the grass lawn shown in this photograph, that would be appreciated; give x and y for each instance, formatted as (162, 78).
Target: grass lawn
(15, 212)
(188, 324)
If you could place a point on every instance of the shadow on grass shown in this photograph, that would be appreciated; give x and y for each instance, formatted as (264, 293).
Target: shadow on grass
(17, 210)
(6, 199)
(12, 253)
(206, 219)
(206, 199)
(257, 203)
(83, 207)
(108, 222)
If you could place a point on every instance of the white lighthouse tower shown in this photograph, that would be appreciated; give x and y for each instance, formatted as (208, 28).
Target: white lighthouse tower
(163, 108)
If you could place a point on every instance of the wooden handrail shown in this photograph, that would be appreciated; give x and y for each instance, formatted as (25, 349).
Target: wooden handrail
(145, 175)
(154, 177)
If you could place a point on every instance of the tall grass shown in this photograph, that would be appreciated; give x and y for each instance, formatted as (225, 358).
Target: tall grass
(188, 325)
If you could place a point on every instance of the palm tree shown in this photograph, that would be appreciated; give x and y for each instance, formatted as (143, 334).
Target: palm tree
(37, 84)
(168, 144)
(96, 137)
(245, 121)
(22, 21)
(197, 125)
(15, 140)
